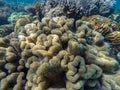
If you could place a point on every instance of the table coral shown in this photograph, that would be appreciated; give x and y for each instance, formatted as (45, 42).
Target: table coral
(57, 53)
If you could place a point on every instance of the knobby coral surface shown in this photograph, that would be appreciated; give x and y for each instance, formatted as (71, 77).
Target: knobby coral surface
(107, 27)
(56, 54)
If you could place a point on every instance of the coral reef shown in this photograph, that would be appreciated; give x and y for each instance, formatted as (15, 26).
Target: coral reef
(115, 17)
(10, 75)
(22, 21)
(102, 24)
(118, 56)
(106, 7)
(16, 15)
(108, 28)
(5, 30)
(110, 81)
(114, 37)
(56, 53)
(5, 11)
(53, 49)
(89, 7)
(72, 8)
(36, 10)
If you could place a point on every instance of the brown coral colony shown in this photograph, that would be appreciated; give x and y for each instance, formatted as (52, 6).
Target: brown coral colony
(60, 53)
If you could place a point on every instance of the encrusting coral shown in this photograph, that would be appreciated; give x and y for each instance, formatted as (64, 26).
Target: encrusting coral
(55, 54)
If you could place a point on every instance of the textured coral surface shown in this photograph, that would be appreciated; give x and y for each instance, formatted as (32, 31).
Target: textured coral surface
(107, 27)
(57, 53)
(73, 8)
(102, 24)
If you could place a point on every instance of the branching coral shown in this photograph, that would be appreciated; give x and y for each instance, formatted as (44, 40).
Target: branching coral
(103, 7)
(72, 8)
(36, 10)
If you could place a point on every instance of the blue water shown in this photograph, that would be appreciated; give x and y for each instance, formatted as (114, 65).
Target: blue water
(118, 4)
(32, 2)
(24, 2)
